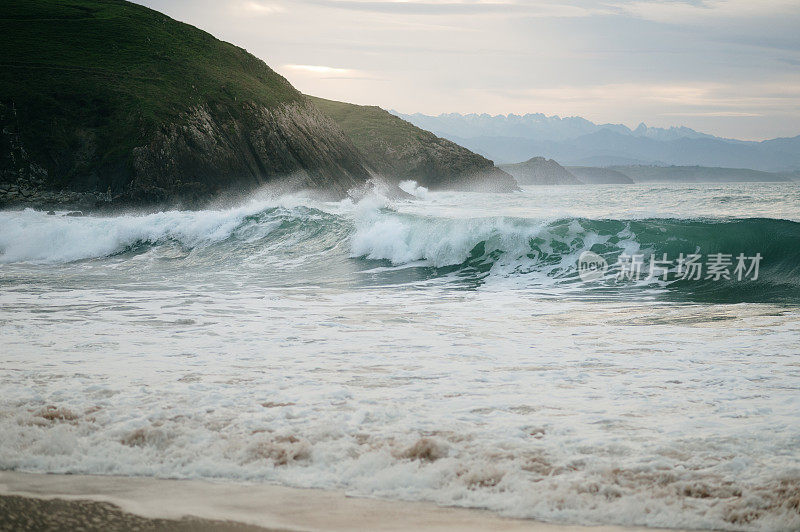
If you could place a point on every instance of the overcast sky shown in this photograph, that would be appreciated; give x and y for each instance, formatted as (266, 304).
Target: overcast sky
(727, 67)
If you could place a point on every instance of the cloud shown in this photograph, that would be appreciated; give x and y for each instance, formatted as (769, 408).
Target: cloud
(616, 92)
(672, 11)
(714, 114)
(724, 66)
(320, 72)
(316, 69)
(252, 7)
(716, 99)
(415, 7)
(462, 7)
(688, 12)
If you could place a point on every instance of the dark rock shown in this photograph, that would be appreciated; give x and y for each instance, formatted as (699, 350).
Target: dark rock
(209, 150)
(400, 151)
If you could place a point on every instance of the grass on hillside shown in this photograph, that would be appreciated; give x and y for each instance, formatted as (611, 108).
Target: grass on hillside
(119, 69)
(370, 125)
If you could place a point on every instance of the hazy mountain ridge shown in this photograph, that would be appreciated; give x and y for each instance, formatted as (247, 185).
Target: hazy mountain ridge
(536, 126)
(591, 175)
(696, 174)
(577, 141)
(540, 171)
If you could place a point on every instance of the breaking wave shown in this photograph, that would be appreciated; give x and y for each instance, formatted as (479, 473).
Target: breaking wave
(548, 250)
(392, 247)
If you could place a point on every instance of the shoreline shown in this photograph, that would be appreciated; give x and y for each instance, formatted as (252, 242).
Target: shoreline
(40, 499)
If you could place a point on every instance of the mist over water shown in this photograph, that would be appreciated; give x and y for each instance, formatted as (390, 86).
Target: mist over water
(442, 348)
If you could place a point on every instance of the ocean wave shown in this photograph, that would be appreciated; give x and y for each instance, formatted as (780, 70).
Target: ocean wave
(475, 249)
(514, 247)
(33, 237)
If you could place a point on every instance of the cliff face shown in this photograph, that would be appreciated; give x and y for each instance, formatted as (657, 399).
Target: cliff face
(540, 171)
(401, 151)
(107, 101)
(210, 150)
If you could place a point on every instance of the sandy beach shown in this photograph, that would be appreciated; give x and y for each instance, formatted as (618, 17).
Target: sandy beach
(58, 502)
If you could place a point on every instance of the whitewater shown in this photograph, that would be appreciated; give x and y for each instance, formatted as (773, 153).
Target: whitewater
(440, 347)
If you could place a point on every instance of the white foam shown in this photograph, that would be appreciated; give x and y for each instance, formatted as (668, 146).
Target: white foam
(411, 187)
(536, 409)
(32, 236)
(414, 240)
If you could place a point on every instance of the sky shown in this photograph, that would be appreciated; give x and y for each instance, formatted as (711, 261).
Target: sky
(726, 67)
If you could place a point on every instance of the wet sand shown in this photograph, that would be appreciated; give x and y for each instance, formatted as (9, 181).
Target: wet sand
(78, 502)
(26, 513)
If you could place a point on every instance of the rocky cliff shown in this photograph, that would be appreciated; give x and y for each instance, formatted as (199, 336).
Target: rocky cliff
(106, 101)
(540, 171)
(401, 151)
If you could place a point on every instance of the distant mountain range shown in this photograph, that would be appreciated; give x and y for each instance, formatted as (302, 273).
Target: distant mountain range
(580, 142)
(695, 174)
(541, 171)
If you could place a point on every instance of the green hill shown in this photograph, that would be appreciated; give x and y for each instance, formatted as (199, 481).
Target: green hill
(401, 151)
(106, 96)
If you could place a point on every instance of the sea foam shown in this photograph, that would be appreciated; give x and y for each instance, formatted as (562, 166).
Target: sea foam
(336, 346)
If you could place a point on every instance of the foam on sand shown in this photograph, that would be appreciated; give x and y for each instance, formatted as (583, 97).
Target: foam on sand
(266, 506)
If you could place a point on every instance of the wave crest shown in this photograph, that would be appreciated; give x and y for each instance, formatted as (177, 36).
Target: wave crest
(518, 247)
(527, 250)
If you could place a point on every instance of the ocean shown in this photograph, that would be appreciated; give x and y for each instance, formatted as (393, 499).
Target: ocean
(459, 348)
